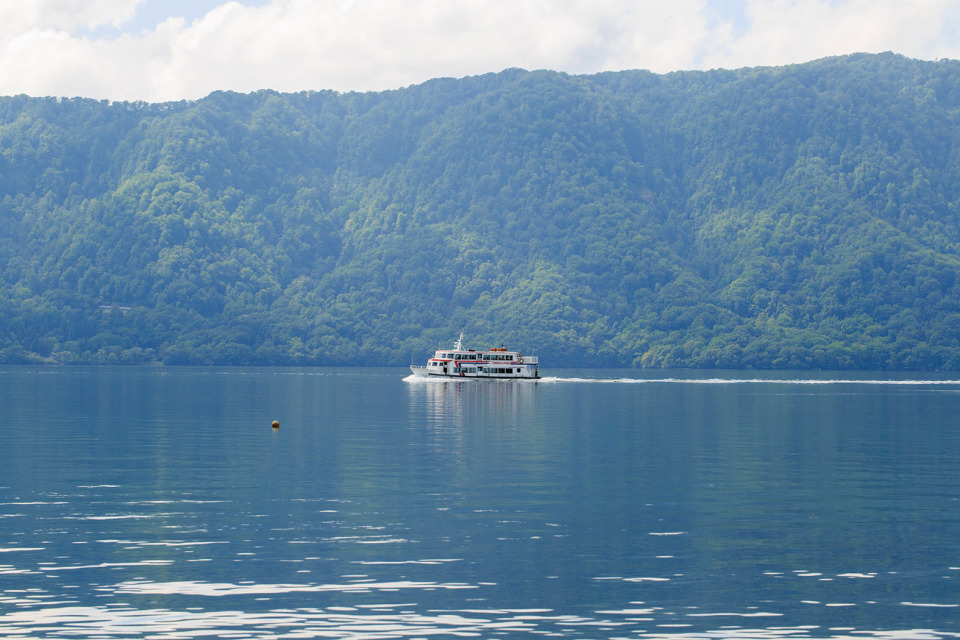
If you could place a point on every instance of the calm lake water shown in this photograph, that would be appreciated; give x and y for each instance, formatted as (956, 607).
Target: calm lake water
(159, 503)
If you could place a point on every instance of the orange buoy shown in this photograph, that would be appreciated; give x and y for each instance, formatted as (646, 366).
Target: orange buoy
(276, 424)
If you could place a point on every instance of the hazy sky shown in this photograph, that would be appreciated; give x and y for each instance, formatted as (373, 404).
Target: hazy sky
(159, 50)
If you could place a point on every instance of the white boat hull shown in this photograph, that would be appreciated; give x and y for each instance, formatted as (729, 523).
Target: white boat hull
(518, 373)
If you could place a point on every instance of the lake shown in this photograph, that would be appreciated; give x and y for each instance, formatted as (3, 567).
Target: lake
(159, 503)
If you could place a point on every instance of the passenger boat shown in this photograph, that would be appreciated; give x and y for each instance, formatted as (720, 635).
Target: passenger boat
(461, 362)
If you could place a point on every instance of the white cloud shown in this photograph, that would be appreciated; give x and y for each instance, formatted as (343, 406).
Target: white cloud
(18, 16)
(787, 31)
(289, 45)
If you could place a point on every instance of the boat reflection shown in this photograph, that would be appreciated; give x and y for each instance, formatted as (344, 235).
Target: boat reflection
(450, 403)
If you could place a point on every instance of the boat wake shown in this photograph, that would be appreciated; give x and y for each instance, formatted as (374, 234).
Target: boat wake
(694, 381)
(742, 381)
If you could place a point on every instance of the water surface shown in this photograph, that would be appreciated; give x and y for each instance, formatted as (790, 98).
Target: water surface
(159, 503)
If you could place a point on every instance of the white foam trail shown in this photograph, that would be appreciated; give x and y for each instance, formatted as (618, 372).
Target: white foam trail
(743, 381)
(783, 381)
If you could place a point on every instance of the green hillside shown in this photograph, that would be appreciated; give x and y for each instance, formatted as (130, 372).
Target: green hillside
(791, 217)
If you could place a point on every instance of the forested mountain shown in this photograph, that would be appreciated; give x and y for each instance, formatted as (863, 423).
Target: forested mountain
(800, 216)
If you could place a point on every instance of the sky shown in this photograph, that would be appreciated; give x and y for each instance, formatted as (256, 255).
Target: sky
(161, 50)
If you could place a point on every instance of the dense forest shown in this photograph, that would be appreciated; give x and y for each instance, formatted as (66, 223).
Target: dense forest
(805, 216)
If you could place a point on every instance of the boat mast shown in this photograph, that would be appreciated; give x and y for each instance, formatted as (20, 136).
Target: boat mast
(458, 345)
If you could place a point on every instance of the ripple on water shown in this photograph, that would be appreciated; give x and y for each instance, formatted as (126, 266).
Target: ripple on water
(375, 620)
(216, 589)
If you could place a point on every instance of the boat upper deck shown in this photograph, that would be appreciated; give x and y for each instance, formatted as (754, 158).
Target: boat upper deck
(489, 355)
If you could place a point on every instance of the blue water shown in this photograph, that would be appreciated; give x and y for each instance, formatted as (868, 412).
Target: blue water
(159, 503)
